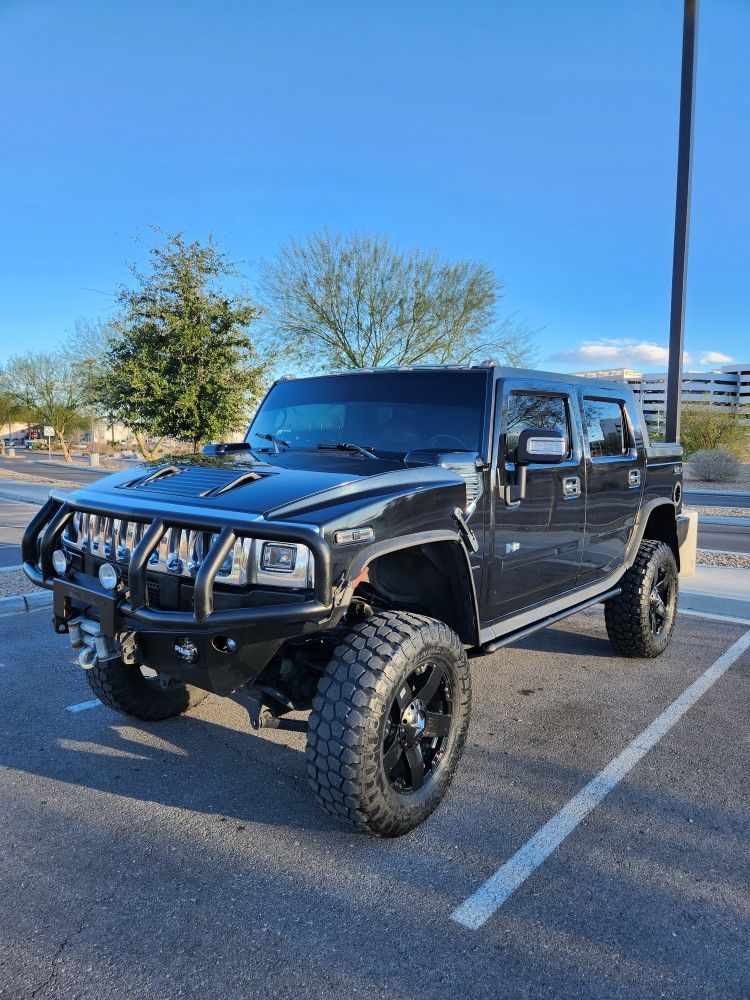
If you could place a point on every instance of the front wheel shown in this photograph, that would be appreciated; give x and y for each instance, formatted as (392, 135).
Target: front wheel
(389, 723)
(641, 617)
(137, 692)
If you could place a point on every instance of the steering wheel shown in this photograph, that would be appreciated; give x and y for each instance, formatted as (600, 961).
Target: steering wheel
(434, 442)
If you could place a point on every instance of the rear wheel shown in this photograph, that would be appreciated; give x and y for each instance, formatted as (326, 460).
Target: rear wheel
(641, 617)
(139, 692)
(389, 723)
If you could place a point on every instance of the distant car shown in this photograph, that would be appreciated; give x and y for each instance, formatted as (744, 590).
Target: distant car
(341, 559)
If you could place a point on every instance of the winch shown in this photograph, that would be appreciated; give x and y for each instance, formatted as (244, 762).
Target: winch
(86, 636)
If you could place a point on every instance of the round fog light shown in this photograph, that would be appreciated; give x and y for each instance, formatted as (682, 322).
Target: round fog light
(109, 576)
(60, 561)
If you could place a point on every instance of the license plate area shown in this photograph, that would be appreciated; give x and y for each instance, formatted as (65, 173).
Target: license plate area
(71, 599)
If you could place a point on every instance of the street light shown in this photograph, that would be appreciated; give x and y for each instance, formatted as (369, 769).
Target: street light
(681, 222)
(89, 364)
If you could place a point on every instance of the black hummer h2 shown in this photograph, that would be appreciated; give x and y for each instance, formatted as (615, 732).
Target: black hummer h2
(372, 526)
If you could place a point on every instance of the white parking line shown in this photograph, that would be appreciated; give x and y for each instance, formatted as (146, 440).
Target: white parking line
(83, 705)
(480, 906)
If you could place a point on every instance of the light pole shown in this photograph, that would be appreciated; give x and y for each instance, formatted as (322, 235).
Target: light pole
(89, 363)
(681, 222)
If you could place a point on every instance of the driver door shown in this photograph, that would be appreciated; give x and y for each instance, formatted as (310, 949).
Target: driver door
(535, 545)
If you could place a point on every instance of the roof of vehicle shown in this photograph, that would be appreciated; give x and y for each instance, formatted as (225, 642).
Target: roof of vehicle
(499, 371)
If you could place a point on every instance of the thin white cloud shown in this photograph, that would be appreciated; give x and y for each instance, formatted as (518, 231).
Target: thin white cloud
(715, 358)
(627, 352)
(615, 353)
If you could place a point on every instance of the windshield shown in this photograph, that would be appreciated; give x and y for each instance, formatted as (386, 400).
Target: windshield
(392, 412)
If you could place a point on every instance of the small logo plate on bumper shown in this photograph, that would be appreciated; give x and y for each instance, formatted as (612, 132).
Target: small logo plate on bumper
(186, 649)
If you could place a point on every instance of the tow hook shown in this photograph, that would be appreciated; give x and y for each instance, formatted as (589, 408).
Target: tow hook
(86, 635)
(264, 704)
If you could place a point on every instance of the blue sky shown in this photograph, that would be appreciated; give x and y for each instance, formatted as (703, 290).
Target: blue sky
(537, 136)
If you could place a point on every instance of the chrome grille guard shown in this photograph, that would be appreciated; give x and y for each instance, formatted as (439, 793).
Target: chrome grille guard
(45, 530)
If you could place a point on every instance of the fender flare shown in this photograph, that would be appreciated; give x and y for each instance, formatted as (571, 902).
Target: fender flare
(365, 556)
(639, 529)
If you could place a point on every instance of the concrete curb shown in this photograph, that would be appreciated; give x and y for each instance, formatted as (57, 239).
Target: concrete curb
(687, 488)
(19, 603)
(715, 604)
(15, 498)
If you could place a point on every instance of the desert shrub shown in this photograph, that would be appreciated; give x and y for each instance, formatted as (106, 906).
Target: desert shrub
(709, 428)
(715, 466)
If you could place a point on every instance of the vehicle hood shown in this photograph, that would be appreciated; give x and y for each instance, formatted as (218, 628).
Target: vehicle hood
(281, 487)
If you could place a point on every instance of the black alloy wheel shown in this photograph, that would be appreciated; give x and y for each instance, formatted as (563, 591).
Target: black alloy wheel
(418, 727)
(659, 601)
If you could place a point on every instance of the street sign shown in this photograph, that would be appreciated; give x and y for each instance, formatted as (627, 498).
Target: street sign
(49, 432)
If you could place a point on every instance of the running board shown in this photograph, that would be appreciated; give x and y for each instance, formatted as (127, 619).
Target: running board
(521, 633)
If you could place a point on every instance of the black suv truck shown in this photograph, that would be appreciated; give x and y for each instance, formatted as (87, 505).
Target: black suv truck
(372, 528)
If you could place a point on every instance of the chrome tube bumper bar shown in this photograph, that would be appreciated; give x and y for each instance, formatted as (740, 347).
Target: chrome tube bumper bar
(43, 535)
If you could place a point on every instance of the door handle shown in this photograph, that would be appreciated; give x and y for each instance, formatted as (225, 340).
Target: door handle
(634, 478)
(571, 486)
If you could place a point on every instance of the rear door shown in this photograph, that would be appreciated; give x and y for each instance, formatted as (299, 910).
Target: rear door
(535, 547)
(615, 469)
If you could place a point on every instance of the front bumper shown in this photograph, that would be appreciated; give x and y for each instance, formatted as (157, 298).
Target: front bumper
(130, 608)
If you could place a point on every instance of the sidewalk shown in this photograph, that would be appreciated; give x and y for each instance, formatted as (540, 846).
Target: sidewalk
(717, 590)
(20, 492)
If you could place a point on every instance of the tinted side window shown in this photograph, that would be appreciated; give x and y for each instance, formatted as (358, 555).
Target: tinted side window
(606, 428)
(533, 411)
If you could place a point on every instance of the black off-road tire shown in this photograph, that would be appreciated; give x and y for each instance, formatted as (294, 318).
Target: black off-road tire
(363, 685)
(629, 615)
(124, 688)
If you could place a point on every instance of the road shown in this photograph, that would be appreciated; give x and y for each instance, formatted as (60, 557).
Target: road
(701, 499)
(723, 537)
(189, 859)
(34, 465)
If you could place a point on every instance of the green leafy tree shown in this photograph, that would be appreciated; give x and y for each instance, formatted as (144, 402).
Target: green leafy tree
(12, 411)
(706, 428)
(50, 389)
(357, 301)
(180, 363)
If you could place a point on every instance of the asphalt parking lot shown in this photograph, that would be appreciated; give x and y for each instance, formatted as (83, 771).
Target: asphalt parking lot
(189, 859)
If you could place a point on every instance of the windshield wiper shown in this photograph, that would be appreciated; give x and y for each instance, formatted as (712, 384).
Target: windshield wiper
(343, 446)
(275, 441)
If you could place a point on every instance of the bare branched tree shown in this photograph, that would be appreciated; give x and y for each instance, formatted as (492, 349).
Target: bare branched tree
(357, 301)
(50, 387)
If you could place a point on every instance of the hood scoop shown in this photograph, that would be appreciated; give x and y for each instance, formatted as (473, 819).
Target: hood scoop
(190, 482)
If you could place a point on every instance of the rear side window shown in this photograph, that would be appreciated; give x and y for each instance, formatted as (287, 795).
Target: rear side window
(534, 411)
(606, 428)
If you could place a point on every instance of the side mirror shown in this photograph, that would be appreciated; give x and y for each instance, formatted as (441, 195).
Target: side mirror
(549, 446)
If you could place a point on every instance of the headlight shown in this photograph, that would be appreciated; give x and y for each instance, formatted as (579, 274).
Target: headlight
(278, 558)
(281, 564)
